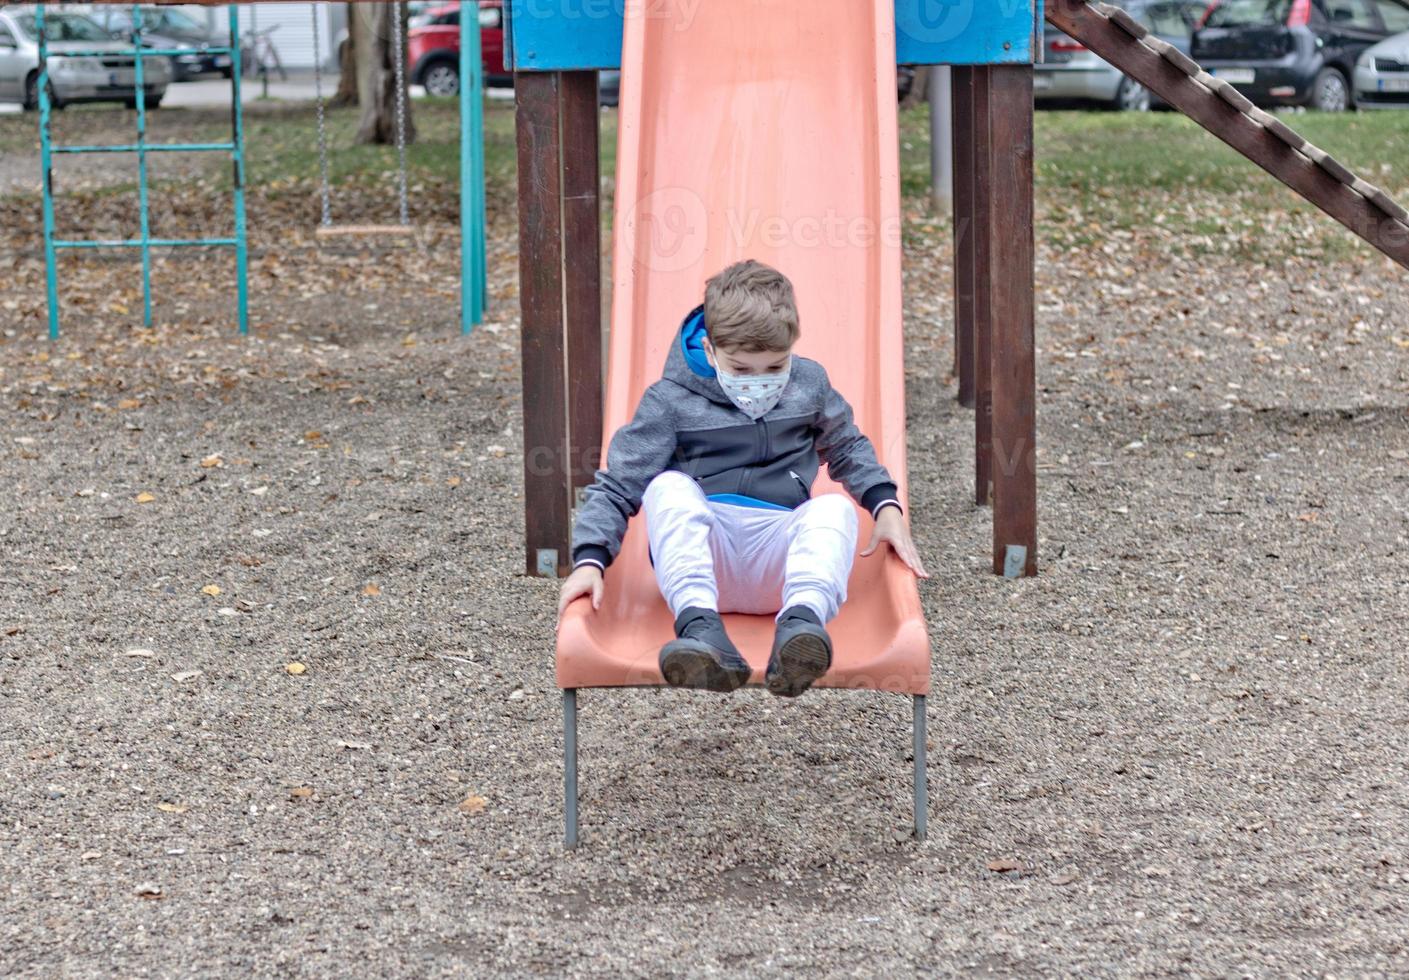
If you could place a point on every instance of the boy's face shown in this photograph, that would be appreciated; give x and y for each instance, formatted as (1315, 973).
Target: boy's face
(743, 362)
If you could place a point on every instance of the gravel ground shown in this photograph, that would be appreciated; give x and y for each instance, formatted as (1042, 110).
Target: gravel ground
(1186, 739)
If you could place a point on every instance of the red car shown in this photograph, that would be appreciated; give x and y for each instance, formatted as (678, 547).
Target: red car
(433, 48)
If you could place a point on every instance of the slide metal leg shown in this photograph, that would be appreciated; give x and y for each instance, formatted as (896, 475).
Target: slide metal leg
(922, 805)
(570, 768)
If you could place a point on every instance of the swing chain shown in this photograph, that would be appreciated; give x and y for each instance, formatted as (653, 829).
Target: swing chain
(398, 60)
(322, 130)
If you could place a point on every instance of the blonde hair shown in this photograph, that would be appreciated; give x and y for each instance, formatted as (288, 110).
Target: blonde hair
(749, 306)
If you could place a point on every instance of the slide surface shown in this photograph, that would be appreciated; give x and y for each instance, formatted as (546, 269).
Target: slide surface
(760, 129)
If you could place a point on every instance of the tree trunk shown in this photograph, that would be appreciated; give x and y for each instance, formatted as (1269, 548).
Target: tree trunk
(918, 89)
(376, 76)
(347, 65)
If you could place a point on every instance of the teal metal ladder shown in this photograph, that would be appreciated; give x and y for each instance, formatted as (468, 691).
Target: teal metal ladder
(235, 147)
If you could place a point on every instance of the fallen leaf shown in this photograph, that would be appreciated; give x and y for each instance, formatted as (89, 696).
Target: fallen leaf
(295, 668)
(89, 856)
(145, 498)
(473, 804)
(1065, 879)
(312, 435)
(129, 403)
(211, 590)
(171, 808)
(138, 652)
(372, 589)
(260, 491)
(214, 459)
(150, 892)
(454, 481)
(1004, 864)
(301, 792)
(354, 745)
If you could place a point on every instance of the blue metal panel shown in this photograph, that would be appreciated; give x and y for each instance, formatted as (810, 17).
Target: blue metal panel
(567, 35)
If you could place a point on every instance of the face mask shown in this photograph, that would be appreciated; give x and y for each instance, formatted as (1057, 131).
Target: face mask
(753, 394)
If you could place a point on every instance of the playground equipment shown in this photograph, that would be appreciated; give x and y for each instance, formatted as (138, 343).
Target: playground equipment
(326, 228)
(473, 271)
(235, 147)
(766, 114)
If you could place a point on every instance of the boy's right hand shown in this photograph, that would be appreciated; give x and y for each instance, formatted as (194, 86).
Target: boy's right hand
(584, 580)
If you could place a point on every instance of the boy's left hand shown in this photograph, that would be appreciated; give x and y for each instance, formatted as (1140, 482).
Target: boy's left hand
(891, 528)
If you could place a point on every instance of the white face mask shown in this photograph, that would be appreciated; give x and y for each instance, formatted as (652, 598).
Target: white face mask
(753, 394)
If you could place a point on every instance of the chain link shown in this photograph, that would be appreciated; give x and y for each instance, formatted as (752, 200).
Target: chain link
(398, 62)
(322, 129)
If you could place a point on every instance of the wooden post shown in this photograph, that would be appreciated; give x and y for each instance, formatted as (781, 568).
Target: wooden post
(962, 125)
(582, 264)
(546, 484)
(984, 209)
(1009, 212)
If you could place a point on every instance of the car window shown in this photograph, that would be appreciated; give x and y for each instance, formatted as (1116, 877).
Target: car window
(64, 27)
(1395, 16)
(6, 37)
(1245, 13)
(451, 19)
(1359, 14)
(178, 21)
(1165, 18)
(490, 17)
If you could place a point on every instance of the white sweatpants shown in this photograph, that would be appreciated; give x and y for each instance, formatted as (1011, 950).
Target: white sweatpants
(734, 558)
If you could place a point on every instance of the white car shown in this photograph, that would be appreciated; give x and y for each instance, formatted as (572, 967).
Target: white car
(1382, 75)
(108, 76)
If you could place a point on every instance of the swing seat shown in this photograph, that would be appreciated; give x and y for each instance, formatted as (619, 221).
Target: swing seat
(364, 231)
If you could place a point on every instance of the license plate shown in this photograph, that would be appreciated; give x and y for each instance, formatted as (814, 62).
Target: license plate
(1040, 82)
(1238, 76)
(1394, 84)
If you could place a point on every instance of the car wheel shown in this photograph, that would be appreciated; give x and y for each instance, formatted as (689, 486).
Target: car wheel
(1131, 96)
(1330, 92)
(31, 94)
(441, 78)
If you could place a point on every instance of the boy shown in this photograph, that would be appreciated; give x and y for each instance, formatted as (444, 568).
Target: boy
(722, 453)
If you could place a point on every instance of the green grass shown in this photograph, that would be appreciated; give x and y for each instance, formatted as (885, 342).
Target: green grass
(1096, 171)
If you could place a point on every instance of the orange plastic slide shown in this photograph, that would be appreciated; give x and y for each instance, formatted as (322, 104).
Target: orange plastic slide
(760, 129)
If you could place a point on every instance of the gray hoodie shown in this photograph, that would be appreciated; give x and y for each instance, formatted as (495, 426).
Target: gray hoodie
(686, 422)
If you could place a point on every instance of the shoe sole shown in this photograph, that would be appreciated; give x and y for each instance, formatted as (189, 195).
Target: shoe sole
(801, 660)
(692, 667)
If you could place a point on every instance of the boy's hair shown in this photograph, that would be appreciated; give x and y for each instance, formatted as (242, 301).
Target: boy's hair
(749, 306)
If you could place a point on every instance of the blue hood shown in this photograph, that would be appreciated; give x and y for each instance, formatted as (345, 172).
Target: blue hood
(692, 335)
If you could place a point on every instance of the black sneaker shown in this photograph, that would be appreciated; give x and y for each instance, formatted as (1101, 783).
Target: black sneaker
(802, 652)
(702, 655)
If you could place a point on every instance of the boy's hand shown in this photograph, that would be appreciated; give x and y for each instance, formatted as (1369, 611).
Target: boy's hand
(584, 580)
(891, 528)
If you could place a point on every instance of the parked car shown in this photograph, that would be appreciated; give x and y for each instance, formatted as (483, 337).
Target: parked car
(433, 48)
(163, 27)
(1382, 74)
(1294, 52)
(101, 78)
(1069, 71)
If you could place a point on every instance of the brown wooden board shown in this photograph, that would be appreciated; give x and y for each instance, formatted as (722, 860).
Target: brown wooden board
(962, 97)
(982, 234)
(1009, 163)
(582, 273)
(546, 493)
